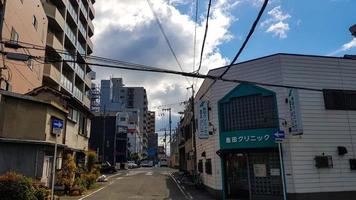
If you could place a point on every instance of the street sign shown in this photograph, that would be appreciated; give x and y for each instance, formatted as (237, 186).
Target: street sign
(57, 126)
(279, 135)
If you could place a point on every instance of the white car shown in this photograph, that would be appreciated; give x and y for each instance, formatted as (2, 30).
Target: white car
(131, 164)
(163, 163)
(147, 163)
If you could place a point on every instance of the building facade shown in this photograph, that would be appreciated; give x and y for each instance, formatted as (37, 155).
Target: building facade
(70, 29)
(28, 147)
(153, 146)
(109, 138)
(115, 97)
(24, 23)
(236, 150)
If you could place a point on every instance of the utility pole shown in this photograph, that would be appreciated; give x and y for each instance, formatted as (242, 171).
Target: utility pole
(193, 129)
(165, 142)
(170, 124)
(104, 132)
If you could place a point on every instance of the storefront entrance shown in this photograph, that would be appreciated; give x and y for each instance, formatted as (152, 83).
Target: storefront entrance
(253, 176)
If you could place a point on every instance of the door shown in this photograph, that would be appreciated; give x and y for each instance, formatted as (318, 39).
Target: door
(237, 179)
(46, 171)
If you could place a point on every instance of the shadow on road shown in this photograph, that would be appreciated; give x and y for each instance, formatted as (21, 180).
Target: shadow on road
(174, 192)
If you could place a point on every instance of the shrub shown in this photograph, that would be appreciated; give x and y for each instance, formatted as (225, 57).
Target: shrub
(41, 193)
(15, 186)
(66, 175)
(89, 179)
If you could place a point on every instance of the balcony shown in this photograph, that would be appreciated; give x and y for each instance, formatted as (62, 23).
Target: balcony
(91, 10)
(53, 42)
(83, 9)
(78, 93)
(79, 71)
(90, 46)
(80, 49)
(82, 29)
(66, 83)
(91, 28)
(52, 72)
(54, 15)
(86, 101)
(87, 80)
(72, 11)
(68, 56)
(71, 35)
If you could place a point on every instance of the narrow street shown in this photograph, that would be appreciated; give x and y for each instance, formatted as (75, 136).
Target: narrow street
(142, 183)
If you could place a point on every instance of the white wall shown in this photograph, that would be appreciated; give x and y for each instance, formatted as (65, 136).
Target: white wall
(324, 130)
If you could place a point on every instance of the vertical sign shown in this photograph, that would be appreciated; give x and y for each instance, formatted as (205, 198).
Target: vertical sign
(294, 110)
(203, 123)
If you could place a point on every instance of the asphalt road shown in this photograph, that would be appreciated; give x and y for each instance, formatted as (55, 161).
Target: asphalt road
(142, 183)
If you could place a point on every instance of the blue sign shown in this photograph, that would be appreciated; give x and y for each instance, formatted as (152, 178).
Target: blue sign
(57, 123)
(151, 151)
(279, 135)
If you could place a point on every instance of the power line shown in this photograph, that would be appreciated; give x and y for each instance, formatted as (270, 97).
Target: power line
(242, 47)
(165, 37)
(138, 67)
(205, 34)
(195, 34)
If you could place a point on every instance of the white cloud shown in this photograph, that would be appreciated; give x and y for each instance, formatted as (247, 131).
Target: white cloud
(349, 45)
(126, 30)
(276, 22)
(279, 29)
(344, 47)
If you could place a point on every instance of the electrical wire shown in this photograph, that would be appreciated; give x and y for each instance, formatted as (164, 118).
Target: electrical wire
(165, 37)
(205, 35)
(252, 30)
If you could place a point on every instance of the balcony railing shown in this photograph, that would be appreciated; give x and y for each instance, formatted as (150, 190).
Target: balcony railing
(83, 9)
(79, 71)
(82, 29)
(71, 35)
(66, 83)
(68, 56)
(78, 94)
(72, 11)
(81, 49)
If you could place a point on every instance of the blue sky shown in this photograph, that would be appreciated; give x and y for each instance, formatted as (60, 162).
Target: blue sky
(318, 27)
(126, 30)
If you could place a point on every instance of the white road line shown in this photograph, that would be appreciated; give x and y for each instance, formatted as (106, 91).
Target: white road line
(118, 178)
(185, 193)
(88, 195)
(149, 173)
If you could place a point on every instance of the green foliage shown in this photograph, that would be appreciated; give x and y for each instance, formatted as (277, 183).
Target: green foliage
(91, 160)
(135, 156)
(41, 193)
(66, 175)
(89, 179)
(15, 186)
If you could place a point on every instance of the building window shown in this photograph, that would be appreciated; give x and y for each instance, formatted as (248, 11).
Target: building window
(208, 168)
(339, 99)
(73, 114)
(249, 112)
(14, 36)
(82, 124)
(34, 22)
(200, 166)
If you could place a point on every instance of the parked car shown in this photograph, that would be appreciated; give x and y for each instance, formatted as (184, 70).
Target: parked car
(107, 168)
(163, 163)
(146, 163)
(131, 164)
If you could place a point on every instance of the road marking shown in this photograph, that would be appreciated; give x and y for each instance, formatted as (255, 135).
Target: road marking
(185, 193)
(88, 195)
(149, 173)
(118, 178)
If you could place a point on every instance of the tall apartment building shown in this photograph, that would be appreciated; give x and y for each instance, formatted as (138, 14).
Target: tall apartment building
(115, 96)
(151, 121)
(23, 22)
(70, 29)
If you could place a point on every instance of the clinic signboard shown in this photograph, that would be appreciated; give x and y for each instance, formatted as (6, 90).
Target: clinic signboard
(203, 122)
